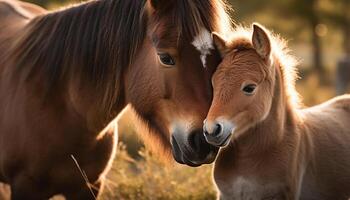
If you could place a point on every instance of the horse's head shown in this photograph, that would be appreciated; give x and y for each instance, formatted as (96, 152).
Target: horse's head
(174, 93)
(243, 87)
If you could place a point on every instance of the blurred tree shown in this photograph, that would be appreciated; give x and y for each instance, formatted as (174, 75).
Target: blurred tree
(46, 3)
(346, 25)
(308, 12)
(246, 8)
(305, 15)
(338, 13)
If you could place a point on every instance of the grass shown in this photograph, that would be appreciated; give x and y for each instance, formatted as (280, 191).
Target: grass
(148, 178)
(151, 179)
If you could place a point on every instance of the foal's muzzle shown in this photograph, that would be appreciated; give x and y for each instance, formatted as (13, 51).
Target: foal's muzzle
(218, 133)
(192, 149)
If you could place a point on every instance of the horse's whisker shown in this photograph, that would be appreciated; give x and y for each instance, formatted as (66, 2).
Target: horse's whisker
(86, 179)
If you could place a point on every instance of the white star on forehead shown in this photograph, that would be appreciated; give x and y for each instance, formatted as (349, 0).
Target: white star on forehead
(203, 43)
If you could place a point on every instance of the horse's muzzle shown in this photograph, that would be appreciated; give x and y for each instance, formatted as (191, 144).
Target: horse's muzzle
(192, 149)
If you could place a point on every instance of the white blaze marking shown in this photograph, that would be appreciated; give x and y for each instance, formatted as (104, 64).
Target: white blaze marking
(203, 43)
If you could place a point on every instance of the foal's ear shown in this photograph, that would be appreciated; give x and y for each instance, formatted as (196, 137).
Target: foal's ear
(161, 4)
(261, 41)
(220, 44)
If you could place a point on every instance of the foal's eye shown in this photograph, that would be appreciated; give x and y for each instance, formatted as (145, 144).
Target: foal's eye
(249, 89)
(166, 59)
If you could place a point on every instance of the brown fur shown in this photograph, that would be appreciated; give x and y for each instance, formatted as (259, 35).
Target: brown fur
(64, 75)
(14, 14)
(277, 150)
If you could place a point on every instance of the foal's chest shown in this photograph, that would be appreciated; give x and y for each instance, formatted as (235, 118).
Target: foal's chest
(243, 188)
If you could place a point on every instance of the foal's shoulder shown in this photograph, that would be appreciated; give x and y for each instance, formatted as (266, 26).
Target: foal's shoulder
(342, 102)
(337, 103)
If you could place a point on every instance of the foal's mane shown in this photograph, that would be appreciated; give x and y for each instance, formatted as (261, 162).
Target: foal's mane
(241, 38)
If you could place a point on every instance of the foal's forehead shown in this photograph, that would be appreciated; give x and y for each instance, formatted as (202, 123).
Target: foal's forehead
(242, 61)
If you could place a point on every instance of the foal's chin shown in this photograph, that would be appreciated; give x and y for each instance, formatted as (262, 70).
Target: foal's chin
(219, 141)
(218, 132)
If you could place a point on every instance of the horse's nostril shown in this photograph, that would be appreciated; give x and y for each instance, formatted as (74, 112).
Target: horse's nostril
(217, 130)
(194, 140)
(192, 149)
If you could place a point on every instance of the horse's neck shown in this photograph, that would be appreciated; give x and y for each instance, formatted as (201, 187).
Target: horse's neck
(83, 52)
(272, 130)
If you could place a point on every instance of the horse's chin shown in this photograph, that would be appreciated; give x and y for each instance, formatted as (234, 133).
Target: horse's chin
(183, 160)
(193, 155)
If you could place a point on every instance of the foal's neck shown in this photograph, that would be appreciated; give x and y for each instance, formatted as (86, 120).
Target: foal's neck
(272, 130)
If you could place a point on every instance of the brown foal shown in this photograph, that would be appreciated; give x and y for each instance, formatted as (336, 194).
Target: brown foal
(271, 148)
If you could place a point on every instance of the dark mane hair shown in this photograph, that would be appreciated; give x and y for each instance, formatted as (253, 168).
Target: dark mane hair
(89, 41)
(198, 14)
(188, 18)
(97, 40)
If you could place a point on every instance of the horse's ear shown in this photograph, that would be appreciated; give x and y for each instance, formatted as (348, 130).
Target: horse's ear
(220, 44)
(160, 4)
(261, 41)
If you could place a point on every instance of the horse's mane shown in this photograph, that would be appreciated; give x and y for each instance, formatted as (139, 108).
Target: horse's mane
(93, 41)
(241, 38)
(192, 16)
(97, 40)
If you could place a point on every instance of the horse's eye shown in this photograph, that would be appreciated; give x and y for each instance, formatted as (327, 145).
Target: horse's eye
(166, 59)
(249, 89)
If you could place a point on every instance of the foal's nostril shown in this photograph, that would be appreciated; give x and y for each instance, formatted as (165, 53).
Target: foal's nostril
(214, 131)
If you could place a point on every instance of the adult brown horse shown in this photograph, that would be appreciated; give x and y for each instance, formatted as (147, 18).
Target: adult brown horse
(65, 75)
(274, 149)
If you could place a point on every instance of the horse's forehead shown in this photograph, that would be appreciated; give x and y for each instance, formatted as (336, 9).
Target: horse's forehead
(167, 35)
(169, 39)
(203, 42)
(164, 36)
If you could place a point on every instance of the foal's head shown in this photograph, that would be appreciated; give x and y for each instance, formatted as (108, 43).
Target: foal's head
(243, 86)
